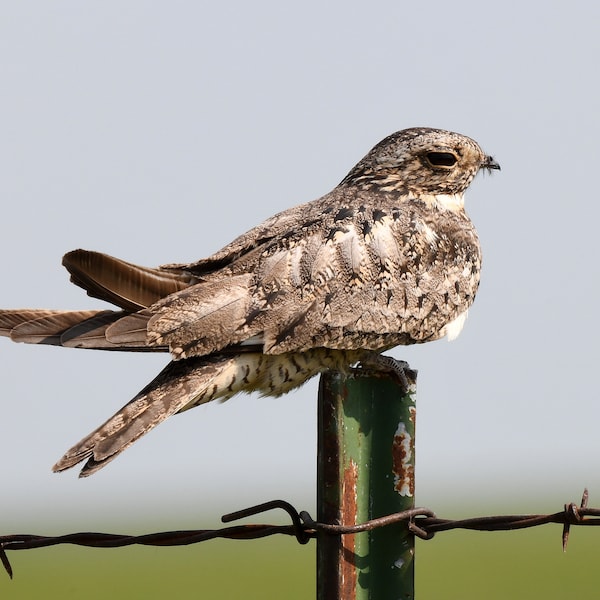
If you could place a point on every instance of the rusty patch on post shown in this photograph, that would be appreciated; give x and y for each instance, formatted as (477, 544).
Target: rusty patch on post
(402, 455)
(348, 516)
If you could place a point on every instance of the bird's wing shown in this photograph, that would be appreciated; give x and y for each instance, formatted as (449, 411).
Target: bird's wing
(368, 274)
(353, 276)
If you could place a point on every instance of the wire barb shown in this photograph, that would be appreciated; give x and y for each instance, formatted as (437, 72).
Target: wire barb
(573, 515)
(422, 522)
(5, 562)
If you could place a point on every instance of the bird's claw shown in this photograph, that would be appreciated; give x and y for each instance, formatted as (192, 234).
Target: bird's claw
(399, 370)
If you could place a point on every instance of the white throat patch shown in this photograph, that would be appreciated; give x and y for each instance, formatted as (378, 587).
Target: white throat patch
(453, 202)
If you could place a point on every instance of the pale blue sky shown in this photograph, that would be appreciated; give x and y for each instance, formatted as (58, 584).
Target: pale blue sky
(159, 131)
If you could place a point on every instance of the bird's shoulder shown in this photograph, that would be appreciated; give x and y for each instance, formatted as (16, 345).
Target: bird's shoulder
(328, 219)
(286, 225)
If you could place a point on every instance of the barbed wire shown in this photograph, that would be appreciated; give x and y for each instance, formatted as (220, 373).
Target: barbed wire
(422, 522)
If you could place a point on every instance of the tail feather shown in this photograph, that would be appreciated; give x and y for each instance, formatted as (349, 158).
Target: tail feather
(194, 381)
(39, 326)
(127, 285)
(91, 333)
(9, 319)
(72, 329)
(95, 333)
(130, 330)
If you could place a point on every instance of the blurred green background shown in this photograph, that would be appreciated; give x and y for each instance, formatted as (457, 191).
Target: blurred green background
(452, 566)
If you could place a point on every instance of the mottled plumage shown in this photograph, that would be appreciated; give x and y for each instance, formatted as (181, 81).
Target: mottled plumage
(388, 257)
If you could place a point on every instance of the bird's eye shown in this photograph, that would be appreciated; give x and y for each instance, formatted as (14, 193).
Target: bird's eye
(442, 159)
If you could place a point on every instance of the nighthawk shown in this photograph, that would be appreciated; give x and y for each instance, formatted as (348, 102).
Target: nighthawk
(389, 257)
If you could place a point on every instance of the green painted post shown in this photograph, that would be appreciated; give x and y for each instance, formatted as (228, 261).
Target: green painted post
(365, 469)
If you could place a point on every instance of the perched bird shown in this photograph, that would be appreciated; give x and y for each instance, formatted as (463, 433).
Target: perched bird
(388, 257)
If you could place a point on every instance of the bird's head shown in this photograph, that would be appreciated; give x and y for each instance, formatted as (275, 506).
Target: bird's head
(421, 160)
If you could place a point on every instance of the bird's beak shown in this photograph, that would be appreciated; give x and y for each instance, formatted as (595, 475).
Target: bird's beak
(489, 163)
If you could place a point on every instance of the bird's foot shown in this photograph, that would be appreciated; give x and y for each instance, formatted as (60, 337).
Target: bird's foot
(379, 365)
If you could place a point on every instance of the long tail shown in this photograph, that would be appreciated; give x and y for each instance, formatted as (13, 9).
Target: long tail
(128, 286)
(180, 385)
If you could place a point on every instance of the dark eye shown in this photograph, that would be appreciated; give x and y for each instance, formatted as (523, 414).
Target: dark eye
(442, 159)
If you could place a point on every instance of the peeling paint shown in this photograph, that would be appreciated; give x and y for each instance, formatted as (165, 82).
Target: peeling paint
(403, 470)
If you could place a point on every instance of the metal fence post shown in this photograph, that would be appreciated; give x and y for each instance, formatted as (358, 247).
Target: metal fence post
(365, 469)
